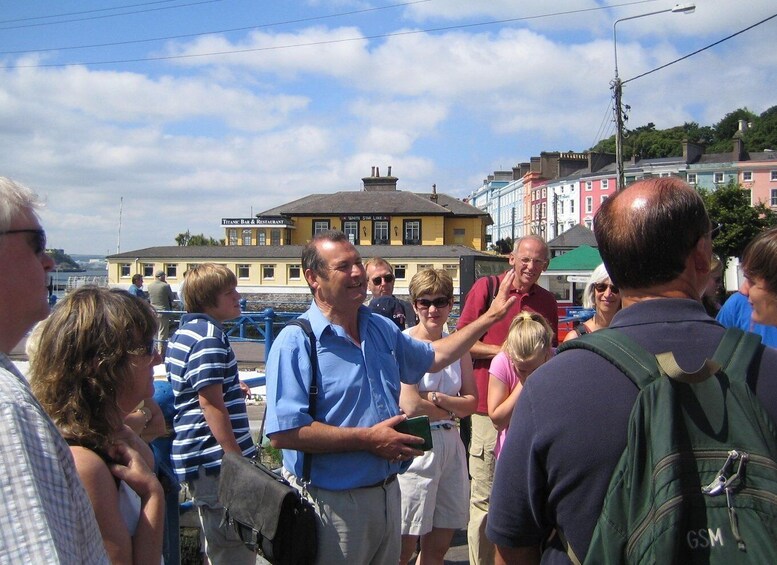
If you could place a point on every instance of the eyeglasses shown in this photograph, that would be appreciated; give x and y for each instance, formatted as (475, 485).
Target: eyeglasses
(528, 260)
(438, 303)
(385, 278)
(148, 349)
(601, 287)
(40, 240)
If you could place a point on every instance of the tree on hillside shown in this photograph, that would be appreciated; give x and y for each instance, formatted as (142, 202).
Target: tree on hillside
(198, 240)
(763, 134)
(729, 207)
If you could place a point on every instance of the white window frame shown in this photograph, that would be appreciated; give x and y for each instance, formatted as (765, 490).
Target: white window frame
(589, 186)
(268, 272)
(589, 204)
(124, 270)
(246, 236)
(718, 178)
(692, 178)
(295, 272)
(605, 184)
(747, 176)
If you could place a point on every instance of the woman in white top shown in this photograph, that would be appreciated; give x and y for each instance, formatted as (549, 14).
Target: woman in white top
(435, 489)
(91, 365)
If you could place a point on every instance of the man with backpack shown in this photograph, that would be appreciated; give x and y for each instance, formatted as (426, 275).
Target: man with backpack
(573, 418)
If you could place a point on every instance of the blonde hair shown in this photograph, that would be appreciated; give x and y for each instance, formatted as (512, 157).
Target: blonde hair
(431, 281)
(81, 360)
(529, 335)
(203, 284)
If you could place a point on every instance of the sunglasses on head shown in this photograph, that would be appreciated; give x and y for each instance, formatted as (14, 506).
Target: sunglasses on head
(148, 349)
(387, 278)
(39, 245)
(601, 287)
(438, 303)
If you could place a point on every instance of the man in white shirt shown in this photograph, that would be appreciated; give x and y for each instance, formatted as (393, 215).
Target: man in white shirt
(47, 516)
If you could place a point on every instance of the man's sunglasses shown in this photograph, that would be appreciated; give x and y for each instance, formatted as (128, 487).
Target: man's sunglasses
(601, 287)
(386, 278)
(39, 247)
(438, 303)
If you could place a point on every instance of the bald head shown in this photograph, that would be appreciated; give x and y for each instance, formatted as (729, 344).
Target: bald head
(646, 232)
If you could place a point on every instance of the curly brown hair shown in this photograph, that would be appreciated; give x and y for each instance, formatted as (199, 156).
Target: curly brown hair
(80, 359)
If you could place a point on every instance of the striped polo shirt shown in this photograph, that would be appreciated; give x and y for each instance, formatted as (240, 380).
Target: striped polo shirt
(199, 355)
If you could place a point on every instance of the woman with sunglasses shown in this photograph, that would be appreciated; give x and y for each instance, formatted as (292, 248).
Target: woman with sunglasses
(435, 489)
(91, 364)
(601, 295)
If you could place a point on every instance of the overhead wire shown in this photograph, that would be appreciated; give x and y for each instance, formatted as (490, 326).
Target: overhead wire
(103, 16)
(198, 34)
(326, 42)
(83, 12)
(748, 28)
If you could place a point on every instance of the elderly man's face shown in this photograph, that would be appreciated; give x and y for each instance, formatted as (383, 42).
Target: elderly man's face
(23, 277)
(529, 261)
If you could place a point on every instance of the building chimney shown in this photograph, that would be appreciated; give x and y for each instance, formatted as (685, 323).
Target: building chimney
(372, 174)
(377, 183)
(389, 171)
(433, 198)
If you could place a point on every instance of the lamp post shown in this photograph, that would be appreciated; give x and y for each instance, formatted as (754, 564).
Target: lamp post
(617, 85)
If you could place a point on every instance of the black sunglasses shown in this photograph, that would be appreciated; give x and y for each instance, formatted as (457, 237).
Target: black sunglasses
(438, 303)
(387, 278)
(601, 287)
(40, 240)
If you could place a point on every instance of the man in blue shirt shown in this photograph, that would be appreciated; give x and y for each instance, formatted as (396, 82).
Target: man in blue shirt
(356, 453)
(135, 289)
(737, 313)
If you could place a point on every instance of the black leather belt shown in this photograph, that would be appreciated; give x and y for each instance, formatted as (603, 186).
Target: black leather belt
(385, 482)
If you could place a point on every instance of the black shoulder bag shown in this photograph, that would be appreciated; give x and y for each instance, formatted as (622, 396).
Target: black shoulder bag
(270, 515)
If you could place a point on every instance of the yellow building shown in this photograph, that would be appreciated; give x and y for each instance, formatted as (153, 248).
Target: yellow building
(413, 231)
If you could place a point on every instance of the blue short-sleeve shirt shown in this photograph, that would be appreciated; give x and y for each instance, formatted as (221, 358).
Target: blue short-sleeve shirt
(358, 387)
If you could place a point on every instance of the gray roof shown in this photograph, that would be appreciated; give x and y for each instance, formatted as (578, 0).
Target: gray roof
(232, 252)
(389, 202)
(574, 237)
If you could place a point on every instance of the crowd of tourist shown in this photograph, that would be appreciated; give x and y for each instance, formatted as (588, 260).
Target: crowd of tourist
(81, 483)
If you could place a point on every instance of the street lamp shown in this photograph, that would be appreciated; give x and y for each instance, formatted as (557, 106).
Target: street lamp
(617, 85)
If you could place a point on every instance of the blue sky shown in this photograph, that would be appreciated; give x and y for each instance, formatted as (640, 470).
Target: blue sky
(293, 98)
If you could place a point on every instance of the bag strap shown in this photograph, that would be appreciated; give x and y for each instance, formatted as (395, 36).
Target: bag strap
(313, 391)
(736, 352)
(638, 364)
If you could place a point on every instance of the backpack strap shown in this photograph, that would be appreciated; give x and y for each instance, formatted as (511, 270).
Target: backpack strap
(736, 352)
(627, 355)
(492, 285)
(313, 391)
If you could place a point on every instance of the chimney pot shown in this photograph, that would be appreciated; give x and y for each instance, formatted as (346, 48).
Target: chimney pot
(377, 171)
(389, 170)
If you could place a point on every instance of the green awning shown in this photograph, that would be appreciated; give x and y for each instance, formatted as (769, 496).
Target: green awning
(583, 258)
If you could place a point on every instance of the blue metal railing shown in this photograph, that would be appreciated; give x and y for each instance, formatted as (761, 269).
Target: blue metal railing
(257, 327)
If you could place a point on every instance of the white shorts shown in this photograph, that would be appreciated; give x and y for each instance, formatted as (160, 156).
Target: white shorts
(435, 489)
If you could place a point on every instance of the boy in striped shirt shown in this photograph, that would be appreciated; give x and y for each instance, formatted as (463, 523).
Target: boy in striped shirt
(211, 416)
